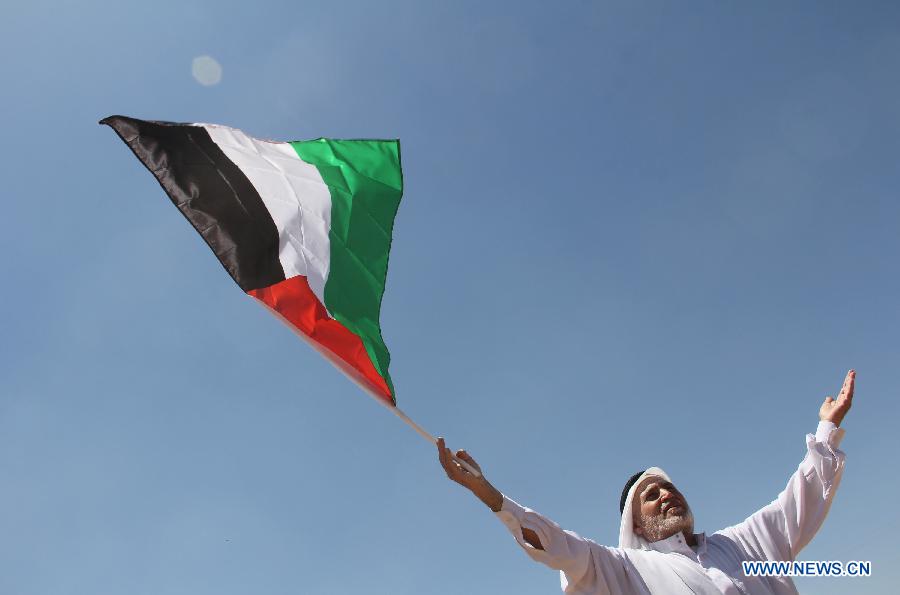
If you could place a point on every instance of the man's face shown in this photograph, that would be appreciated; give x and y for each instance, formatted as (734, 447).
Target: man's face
(659, 510)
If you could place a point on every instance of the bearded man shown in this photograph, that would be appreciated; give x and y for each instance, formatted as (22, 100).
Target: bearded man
(658, 552)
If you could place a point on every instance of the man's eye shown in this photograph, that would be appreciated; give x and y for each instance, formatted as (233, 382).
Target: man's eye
(652, 495)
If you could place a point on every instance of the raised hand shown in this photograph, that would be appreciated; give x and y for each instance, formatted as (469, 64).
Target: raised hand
(478, 485)
(834, 410)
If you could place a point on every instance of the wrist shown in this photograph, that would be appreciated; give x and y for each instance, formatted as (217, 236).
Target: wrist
(830, 419)
(490, 495)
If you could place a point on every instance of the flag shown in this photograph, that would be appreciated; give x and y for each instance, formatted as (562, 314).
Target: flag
(304, 227)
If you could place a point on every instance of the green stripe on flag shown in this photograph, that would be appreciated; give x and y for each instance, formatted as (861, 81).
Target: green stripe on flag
(366, 184)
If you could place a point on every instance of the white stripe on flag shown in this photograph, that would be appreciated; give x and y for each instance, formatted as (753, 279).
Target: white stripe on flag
(294, 194)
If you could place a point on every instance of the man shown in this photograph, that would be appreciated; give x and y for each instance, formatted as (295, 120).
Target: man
(658, 551)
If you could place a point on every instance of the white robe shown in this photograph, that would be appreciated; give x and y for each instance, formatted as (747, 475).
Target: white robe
(776, 532)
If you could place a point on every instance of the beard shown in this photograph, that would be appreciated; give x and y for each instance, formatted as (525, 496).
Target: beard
(667, 524)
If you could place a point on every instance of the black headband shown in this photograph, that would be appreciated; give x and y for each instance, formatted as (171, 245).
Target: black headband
(631, 481)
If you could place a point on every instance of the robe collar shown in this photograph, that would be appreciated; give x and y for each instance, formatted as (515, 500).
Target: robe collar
(677, 543)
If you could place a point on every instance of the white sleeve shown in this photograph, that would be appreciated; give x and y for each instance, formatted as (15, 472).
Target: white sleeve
(780, 530)
(586, 566)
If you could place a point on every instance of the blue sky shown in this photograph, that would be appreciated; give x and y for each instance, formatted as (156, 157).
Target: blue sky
(633, 234)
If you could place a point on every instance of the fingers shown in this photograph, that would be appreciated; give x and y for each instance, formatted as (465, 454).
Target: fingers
(453, 469)
(849, 383)
(461, 454)
(829, 400)
(845, 398)
(464, 456)
(444, 457)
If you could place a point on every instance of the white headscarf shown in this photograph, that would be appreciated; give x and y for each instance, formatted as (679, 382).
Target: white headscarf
(627, 537)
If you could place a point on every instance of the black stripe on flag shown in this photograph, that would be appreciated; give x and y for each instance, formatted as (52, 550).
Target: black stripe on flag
(212, 192)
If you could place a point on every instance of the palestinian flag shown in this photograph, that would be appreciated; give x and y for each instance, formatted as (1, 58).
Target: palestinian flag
(304, 227)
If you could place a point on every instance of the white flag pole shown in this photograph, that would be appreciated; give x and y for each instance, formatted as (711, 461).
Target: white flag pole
(353, 375)
(396, 410)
